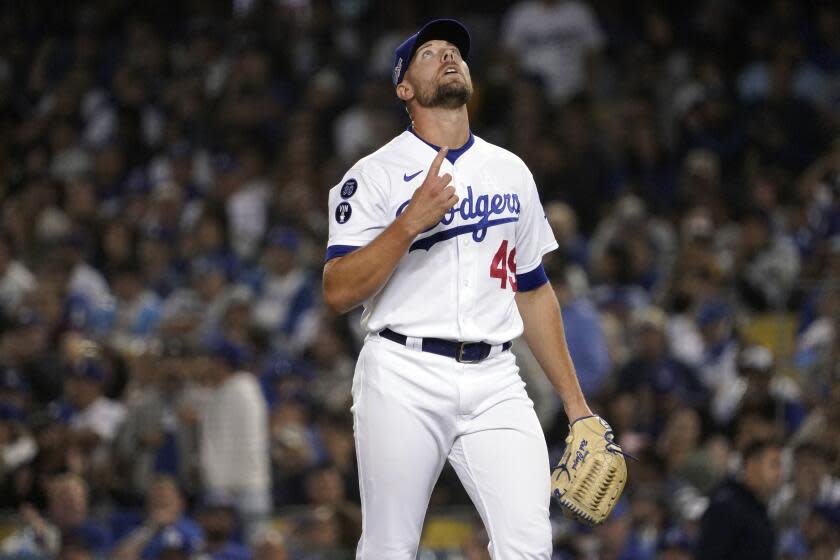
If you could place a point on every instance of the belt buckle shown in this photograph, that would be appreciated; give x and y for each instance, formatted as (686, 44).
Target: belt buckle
(459, 357)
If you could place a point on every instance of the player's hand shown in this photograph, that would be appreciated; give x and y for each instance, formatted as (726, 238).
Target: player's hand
(431, 200)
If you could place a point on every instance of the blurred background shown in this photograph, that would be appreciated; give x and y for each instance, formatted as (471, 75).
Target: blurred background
(171, 385)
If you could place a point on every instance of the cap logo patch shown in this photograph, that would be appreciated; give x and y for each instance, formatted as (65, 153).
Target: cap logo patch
(397, 70)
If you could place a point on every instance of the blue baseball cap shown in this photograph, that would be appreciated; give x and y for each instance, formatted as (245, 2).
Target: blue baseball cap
(446, 29)
(221, 348)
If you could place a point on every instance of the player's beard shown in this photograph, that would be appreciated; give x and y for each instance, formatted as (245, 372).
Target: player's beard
(446, 96)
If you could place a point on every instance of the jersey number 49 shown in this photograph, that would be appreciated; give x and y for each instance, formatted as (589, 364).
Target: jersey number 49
(503, 266)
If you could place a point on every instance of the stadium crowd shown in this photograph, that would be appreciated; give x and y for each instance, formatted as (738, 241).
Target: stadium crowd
(171, 385)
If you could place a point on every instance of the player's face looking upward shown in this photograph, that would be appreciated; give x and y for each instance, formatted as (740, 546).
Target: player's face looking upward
(437, 77)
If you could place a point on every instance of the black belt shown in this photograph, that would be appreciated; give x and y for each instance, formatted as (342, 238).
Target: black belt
(463, 352)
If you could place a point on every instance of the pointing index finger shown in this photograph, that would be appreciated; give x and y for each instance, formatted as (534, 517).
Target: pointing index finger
(434, 170)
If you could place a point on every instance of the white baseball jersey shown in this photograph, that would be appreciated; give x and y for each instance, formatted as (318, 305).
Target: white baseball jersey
(459, 278)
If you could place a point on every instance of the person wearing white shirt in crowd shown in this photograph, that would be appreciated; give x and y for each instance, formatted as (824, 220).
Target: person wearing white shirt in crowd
(233, 445)
(555, 40)
(15, 279)
(95, 418)
(285, 299)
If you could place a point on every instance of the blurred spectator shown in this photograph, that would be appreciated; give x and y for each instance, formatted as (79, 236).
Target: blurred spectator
(195, 311)
(695, 280)
(160, 435)
(675, 544)
(325, 487)
(14, 391)
(329, 353)
(321, 534)
(364, 126)
(93, 418)
(584, 334)
(285, 297)
(617, 538)
(165, 528)
(217, 518)
(26, 347)
(784, 127)
(759, 387)
(736, 523)
(67, 518)
(15, 279)
(18, 448)
(686, 457)
(767, 264)
(811, 483)
(632, 249)
(246, 190)
(821, 532)
(294, 448)
(557, 40)
(660, 380)
(815, 343)
(136, 311)
(86, 286)
(335, 432)
(573, 248)
(233, 445)
(268, 544)
(720, 347)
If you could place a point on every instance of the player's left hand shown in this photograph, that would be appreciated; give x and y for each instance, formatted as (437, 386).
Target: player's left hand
(591, 475)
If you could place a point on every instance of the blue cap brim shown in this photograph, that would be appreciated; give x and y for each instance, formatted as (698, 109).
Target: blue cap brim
(443, 29)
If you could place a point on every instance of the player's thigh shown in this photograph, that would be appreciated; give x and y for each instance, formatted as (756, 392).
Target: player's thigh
(400, 448)
(504, 467)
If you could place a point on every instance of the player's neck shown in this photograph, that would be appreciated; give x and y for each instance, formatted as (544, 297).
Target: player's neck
(443, 127)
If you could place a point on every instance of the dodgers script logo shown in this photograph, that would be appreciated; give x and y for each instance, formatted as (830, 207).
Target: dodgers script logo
(470, 208)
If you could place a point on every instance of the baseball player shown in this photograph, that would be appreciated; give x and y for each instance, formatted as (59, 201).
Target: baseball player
(440, 236)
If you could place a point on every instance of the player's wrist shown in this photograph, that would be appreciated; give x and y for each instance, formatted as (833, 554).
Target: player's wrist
(407, 226)
(577, 410)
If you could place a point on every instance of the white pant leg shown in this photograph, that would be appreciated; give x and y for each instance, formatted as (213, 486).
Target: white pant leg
(400, 403)
(502, 461)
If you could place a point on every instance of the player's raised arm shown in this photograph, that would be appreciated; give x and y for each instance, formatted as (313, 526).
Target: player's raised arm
(351, 279)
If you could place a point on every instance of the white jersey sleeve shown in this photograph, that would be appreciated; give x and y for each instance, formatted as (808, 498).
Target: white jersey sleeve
(358, 208)
(534, 237)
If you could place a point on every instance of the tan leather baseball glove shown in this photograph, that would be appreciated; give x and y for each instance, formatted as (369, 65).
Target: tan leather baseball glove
(591, 475)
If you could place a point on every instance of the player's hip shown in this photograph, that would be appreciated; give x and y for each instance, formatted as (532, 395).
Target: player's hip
(389, 370)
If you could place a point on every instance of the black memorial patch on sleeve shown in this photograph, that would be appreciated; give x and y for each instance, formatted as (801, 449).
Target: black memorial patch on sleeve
(343, 212)
(349, 187)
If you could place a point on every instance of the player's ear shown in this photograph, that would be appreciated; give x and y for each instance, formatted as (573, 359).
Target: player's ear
(404, 91)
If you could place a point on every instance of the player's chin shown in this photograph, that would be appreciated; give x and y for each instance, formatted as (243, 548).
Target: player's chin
(453, 95)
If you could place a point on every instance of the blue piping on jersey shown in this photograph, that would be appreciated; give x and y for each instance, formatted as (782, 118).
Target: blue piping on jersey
(338, 251)
(531, 280)
(427, 242)
(453, 153)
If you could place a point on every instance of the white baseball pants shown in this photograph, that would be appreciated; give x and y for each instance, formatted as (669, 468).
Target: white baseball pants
(412, 411)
